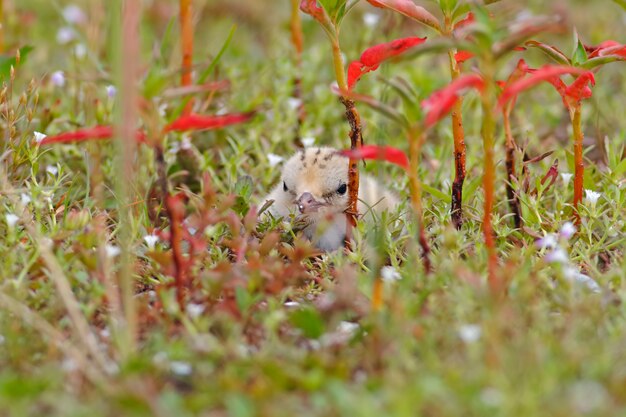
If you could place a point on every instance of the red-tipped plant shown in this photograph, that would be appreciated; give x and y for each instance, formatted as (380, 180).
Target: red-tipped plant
(330, 15)
(583, 58)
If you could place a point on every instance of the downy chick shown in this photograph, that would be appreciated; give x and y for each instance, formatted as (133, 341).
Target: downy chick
(314, 186)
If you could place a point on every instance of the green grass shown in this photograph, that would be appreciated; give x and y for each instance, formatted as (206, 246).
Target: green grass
(440, 345)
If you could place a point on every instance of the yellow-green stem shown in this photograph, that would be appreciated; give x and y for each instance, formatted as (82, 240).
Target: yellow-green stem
(416, 138)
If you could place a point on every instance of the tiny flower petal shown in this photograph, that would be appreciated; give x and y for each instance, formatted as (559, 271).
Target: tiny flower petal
(557, 255)
(39, 136)
(52, 170)
(57, 78)
(181, 368)
(65, 35)
(371, 19)
(592, 197)
(80, 51)
(194, 310)
(274, 159)
(111, 91)
(566, 177)
(11, 220)
(389, 274)
(25, 198)
(294, 103)
(308, 142)
(547, 242)
(74, 14)
(151, 241)
(470, 333)
(567, 230)
(112, 251)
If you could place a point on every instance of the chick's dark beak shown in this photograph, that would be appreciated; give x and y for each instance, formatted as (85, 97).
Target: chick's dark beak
(307, 203)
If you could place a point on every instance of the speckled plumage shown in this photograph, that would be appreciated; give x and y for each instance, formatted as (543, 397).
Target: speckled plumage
(312, 186)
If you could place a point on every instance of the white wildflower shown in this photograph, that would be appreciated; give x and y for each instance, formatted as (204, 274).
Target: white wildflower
(151, 241)
(567, 230)
(274, 159)
(308, 141)
(181, 368)
(11, 219)
(80, 50)
(25, 198)
(74, 14)
(52, 170)
(194, 310)
(371, 19)
(65, 35)
(572, 274)
(566, 177)
(185, 142)
(558, 255)
(111, 91)
(39, 136)
(57, 78)
(470, 333)
(291, 304)
(547, 242)
(347, 327)
(112, 251)
(389, 274)
(294, 103)
(592, 197)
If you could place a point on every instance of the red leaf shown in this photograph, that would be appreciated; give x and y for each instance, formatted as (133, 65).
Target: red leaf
(619, 50)
(311, 7)
(440, 103)
(462, 56)
(200, 122)
(409, 9)
(521, 69)
(469, 19)
(548, 73)
(372, 57)
(595, 50)
(580, 89)
(384, 153)
(80, 135)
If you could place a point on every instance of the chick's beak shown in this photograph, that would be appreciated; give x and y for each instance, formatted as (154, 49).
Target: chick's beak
(307, 203)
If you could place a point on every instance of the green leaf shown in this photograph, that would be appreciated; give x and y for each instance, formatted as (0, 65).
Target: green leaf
(436, 193)
(309, 321)
(579, 56)
(8, 61)
(621, 3)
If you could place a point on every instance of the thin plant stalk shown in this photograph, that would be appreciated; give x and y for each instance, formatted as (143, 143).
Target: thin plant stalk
(579, 166)
(1, 26)
(458, 134)
(510, 148)
(295, 25)
(186, 30)
(416, 138)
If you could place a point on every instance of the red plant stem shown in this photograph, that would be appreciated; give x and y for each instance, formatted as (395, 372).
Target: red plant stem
(489, 176)
(579, 166)
(459, 150)
(1, 25)
(415, 145)
(175, 215)
(186, 27)
(514, 203)
(297, 41)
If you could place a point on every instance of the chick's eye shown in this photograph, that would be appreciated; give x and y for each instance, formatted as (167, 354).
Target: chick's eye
(285, 189)
(342, 189)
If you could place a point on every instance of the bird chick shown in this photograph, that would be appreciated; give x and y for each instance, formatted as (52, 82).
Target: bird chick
(314, 187)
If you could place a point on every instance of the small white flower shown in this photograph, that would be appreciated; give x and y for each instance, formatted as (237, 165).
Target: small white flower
(557, 255)
(308, 141)
(112, 251)
(80, 51)
(57, 78)
(151, 241)
(180, 368)
(547, 242)
(52, 170)
(294, 103)
(371, 19)
(25, 198)
(291, 304)
(591, 197)
(185, 142)
(39, 136)
(111, 91)
(572, 274)
(347, 327)
(274, 159)
(65, 35)
(389, 274)
(194, 310)
(11, 219)
(74, 14)
(567, 230)
(566, 177)
(470, 333)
